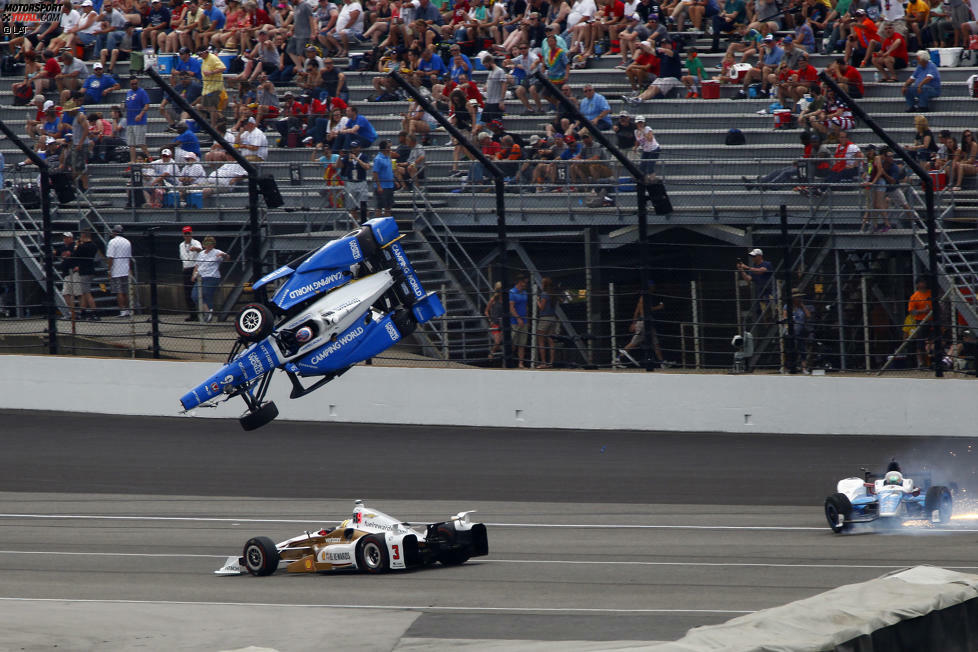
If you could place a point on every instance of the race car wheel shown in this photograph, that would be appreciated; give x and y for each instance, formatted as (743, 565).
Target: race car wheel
(939, 499)
(260, 556)
(254, 322)
(836, 506)
(260, 417)
(450, 555)
(372, 554)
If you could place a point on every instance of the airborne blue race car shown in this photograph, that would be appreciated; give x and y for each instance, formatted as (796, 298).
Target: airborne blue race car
(338, 305)
(890, 500)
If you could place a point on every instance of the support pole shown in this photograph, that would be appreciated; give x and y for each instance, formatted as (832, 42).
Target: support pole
(865, 300)
(838, 311)
(928, 184)
(694, 296)
(787, 265)
(613, 320)
(154, 309)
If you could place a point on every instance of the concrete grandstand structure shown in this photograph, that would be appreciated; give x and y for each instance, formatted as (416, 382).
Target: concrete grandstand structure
(453, 229)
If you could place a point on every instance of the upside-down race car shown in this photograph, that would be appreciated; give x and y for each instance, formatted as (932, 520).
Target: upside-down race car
(890, 499)
(337, 305)
(370, 541)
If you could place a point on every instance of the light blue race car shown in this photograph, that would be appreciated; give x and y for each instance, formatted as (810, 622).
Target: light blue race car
(338, 305)
(889, 500)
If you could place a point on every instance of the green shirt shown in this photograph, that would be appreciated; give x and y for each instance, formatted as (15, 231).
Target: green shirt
(695, 67)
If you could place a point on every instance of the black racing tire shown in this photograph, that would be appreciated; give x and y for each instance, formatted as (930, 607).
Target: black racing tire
(260, 556)
(260, 417)
(372, 554)
(939, 499)
(838, 505)
(254, 322)
(450, 555)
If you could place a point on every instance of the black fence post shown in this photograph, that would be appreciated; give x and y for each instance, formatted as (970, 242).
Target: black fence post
(787, 300)
(643, 274)
(154, 308)
(931, 219)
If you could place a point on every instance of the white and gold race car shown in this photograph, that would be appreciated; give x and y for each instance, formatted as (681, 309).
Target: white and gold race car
(369, 541)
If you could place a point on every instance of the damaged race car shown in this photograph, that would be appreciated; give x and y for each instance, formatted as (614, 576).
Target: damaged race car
(889, 500)
(338, 305)
(368, 541)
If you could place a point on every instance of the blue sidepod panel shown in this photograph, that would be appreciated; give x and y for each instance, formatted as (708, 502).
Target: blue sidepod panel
(355, 344)
(258, 359)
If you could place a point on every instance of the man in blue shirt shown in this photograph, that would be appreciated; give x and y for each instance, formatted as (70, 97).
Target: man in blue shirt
(517, 313)
(431, 69)
(771, 55)
(383, 170)
(97, 85)
(923, 85)
(761, 274)
(357, 128)
(137, 105)
(460, 69)
(185, 62)
(595, 108)
(185, 141)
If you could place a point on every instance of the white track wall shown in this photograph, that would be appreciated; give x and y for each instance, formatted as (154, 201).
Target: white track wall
(531, 399)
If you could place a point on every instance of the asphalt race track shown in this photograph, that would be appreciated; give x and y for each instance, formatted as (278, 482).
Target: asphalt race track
(110, 528)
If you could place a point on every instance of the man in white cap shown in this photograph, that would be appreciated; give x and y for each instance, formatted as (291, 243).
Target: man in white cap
(161, 173)
(253, 141)
(97, 86)
(192, 178)
(118, 252)
(760, 273)
(40, 105)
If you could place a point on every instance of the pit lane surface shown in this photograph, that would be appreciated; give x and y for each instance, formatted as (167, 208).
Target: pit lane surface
(112, 526)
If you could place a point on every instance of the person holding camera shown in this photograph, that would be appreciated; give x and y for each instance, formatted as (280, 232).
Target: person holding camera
(760, 274)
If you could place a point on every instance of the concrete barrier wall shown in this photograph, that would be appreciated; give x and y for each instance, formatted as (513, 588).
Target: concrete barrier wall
(532, 399)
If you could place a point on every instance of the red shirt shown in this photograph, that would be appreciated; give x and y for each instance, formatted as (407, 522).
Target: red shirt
(854, 78)
(617, 9)
(491, 148)
(901, 50)
(807, 74)
(296, 109)
(471, 91)
(52, 68)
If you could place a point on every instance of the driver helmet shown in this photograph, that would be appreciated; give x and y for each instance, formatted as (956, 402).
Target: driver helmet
(893, 478)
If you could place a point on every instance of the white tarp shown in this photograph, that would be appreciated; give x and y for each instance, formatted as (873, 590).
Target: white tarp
(829, 619)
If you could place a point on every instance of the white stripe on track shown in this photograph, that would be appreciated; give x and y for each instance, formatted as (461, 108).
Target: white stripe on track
(569, 562)
(399, 607)
(572, 526)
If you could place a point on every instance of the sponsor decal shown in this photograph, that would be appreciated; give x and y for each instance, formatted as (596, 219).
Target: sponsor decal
(303, 335)
(268, 355)
(411, 278)
(393, 527)
(355, 249)
(228, 379)
(256, 363)
(392, 331)
(337, 556)
(337, 345)
(315, 285)
(215, 387)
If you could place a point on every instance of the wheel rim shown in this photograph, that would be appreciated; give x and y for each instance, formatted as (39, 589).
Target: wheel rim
(255, 557)
(250, 320)
(832, 514)
(371, 555)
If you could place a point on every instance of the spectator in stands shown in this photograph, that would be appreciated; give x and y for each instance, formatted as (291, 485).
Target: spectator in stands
(155, 22)
(67, 22)
(637, 327)
(81, 144)
(670, 70)
(192, 178)
(216, 21)
(410, 169)
(647, 146)
(966, 163)
(122, 50)
(847, 77)
(353, 171)
(924, 145)
(418, 121)
(644, 65)
(159, 175)
(137, 105)
(85, 31)
(83, 260)
(40, 35)
(963, 355)
(734, 13)
(848, 160)
(814, 163)
(186, 87)
(592, 170)
(518, 303)
(696, 10)
(496, 82)
(863, 33)
(919, 309)
(383, 174)
(72, 72)
(624, 129)
(836, 116)
(224, 178)
(304, 24)
(95, 87)
(797, 83)
(595, 108)
(696, 74)
(349, 25)
(185, 141)
(495, 312)
(186, 66)
(208, 269)
(380, 20)
(547, 303)
(890, 54)
(188, 249)
(923, 85)
(358, 127)
(71, 286)
(749, 44)
(212, 94)
(760, 273)
(252, 140)
(45, 79)
(36, 119)
(103, 140)
(112, 26)
(558, 67)
(118, 253)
